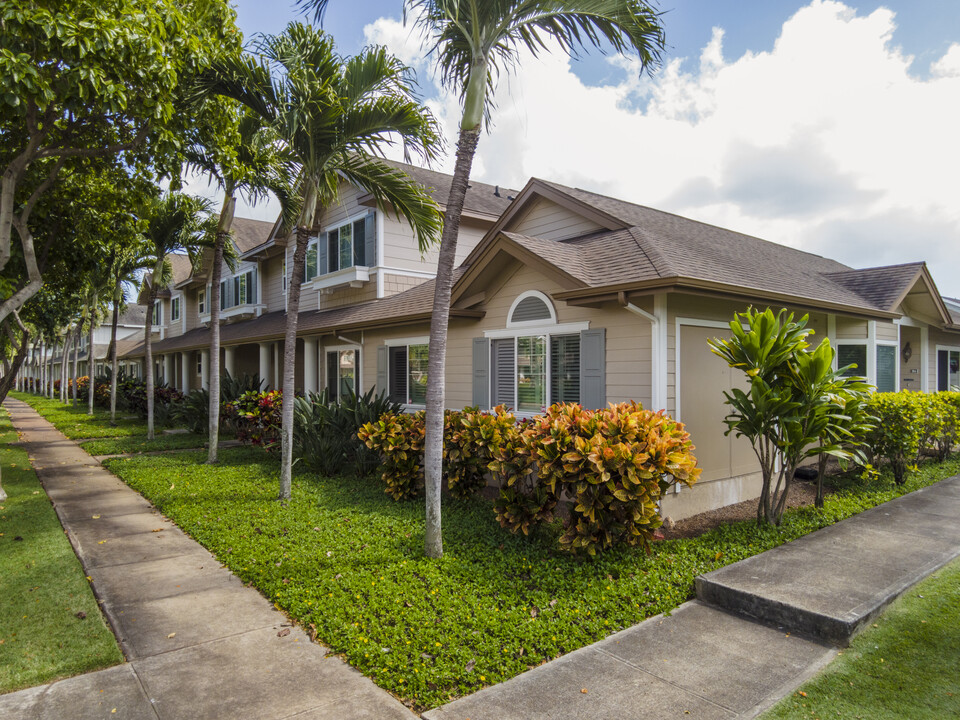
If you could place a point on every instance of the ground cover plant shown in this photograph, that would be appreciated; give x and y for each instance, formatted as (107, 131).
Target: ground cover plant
(905, 666)
(50, 624)
(140, 444)
(76, 424)
(347, 562)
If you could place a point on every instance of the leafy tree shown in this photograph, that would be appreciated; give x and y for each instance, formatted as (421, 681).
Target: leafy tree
(175, 224)
(795, 405)
(474, 41)
(333, 114)
(243, 158)
(92, 79)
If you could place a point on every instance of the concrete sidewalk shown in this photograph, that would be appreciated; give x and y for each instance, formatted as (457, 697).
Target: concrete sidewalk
(199, 643)
(773, 621)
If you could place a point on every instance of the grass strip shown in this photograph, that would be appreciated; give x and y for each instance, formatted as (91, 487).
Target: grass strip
(906, 666)
(50, 623)
(76, 424)
(140, 444)
(347, 562)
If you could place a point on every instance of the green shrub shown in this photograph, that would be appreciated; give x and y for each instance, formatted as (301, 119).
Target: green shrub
(615, 465)
(194, 412)
(325, 432)
(398, 439)
(255, 417)
(949, 434)
(524, 502)
(470, 441)
(900, 429)
(231, 388)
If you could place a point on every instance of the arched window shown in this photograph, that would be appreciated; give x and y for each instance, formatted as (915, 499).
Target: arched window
(531, 307)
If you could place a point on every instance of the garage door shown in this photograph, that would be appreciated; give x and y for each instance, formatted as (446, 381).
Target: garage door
(703, 378)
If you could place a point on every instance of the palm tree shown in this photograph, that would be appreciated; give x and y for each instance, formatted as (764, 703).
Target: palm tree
(175, 224)
(332, 113)
(126, 264)
(249, 166)
(474, 41)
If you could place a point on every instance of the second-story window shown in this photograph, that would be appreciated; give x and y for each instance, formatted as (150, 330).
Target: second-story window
(174, 309)
(347, 245)
(157, 314)
(238, 290)
(202, 301)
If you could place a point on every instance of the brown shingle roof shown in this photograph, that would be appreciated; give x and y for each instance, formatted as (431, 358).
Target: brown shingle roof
(480, 198)
(248, 234)
(669, 246)
(182, 269)
(881, 286)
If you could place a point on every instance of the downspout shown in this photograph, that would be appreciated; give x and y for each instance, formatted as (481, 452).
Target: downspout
(658, 347)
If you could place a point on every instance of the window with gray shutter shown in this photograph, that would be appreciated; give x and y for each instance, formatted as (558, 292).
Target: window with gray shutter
(322, 246)
(398, 374)
(481, 372)
(370, 239)
(333, 250)
(530, 308)
(503, 366)
(359, 242)
(565, 369)
(382, 376)
(593, 362)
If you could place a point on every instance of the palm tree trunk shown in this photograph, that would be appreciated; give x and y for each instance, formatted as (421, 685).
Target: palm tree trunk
(76, 361)
(437, 357)
(148, 353)
(53, 353)
(223, 235)
(290, 355)
(821, 470)
(91, 354)
(64, 364)
(115, 320)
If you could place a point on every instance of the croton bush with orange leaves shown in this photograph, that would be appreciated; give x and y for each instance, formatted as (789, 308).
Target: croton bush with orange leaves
(611, 466)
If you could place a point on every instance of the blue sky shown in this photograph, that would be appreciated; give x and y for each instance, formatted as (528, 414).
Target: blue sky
(824, 125)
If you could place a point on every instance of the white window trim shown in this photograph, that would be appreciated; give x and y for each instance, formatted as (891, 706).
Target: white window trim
(937, 349)
(896, 360)
(359, 368)
(531, 323)
(241, 308)
(406, 342)
(861, 372)
(548, 389)
(538, 329)
(336, 226)
(179, 299)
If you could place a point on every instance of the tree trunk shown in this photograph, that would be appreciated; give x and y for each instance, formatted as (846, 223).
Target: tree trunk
(115, 320)
(91, 354)
(64, 365)
(223, 236)
(53, 354)
(148, 346)
(76, 362)
(11, 377)
(437, 354)
(821, 470)
(290, 358)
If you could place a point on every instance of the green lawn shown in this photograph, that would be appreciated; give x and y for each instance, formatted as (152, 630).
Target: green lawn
(906, 666)
(76, 424)
(140, 444)
(43, 586)
(347, 563)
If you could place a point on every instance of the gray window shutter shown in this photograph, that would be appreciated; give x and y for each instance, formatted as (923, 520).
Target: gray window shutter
(481, 372)
(252, 296)
(322, 254)
(504, 367)
(381, 368)
(593, 363)
(370, 240)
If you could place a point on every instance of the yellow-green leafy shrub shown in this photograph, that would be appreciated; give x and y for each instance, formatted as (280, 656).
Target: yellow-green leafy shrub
(469, 440)
(900, 430)
(399, 440)
(614, 465)
(949, 434)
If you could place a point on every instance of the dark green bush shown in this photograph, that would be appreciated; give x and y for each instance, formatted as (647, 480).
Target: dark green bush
(193, 412)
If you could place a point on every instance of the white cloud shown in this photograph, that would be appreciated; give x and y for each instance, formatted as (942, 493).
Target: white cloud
(827, 142)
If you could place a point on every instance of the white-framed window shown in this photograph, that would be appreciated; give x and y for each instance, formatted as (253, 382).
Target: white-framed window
(199, 363)
(157, 313)
(531, 372)
(239, 289)
(342, 246)
(202, 308)
(342, 372)
(886, 361)
(175, 308)
(948, 368)
(407, 373)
